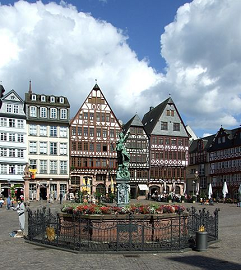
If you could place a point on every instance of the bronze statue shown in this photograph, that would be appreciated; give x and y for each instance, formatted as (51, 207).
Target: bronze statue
(123, 157)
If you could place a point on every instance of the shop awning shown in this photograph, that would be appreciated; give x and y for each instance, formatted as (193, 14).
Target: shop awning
(143, 187)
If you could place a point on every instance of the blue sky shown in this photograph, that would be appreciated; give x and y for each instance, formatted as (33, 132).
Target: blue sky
(138, 50)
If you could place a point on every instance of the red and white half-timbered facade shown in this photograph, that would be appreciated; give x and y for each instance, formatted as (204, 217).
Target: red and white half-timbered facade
(93, 134)
(169, 146)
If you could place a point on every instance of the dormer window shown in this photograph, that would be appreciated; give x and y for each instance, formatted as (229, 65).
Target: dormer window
(52, 99)
(33, 97)
(61, 100)
(43, 98)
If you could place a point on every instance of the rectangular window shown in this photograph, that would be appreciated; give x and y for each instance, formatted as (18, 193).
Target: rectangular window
(164, 126)
(33, 163)
(104, 148)
(43, 148)
(9, 108)
(53, 166)
(53, 148)
(167, 141)
(176, 126)
(53, 131)
(11, 152)
(11, 169)
(98, 147)
(3, 136)
(20, 124)
(33, 130)
(15, 108)
(20, 169)
(174, 141)
(3, 168)
(86, 131)
(112, 135)
(104, 133)
(32, 147)
(91, 132)
(79, 131)
(20, 153)
(20, 138)
(103, 117)
(53, 113)
(3, 152)
(79, 146)
(85, 146)
(63, 167)
(97, 162)
(91, 116)
(11, 122)
(73, 130)
(63, 132)
(43, 130)
(180, 143)
(85, 116)
(168, 113)
(107, 117)
(63, 149)
(43, 167)
(63, 114)
(43, 112)
(98, 117)
(91, 147)
(73, 146)
(11, 137)
(3, 122)
(98, 132)
(33, 111)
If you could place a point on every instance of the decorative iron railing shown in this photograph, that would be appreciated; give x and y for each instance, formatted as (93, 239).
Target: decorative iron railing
(171, 232)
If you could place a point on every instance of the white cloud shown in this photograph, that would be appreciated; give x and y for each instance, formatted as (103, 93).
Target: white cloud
(202, 51)
(63, 51)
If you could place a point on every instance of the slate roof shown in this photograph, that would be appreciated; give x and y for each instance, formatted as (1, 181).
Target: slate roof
(207, 141)
(134, 121)
(151, 118)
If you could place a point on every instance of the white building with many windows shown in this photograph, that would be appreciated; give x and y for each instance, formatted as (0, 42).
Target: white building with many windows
(13, 144)
(48, 146)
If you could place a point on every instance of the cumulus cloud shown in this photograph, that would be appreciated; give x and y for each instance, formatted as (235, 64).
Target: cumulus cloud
(202, 51)
(63, 51)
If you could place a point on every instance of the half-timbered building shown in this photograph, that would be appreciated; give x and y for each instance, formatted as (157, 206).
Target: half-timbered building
(137, 145)
(198, 174)
(225, 161)
(94, 131)
(169, 145)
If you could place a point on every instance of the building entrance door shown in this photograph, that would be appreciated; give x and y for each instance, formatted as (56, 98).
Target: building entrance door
(43, 193)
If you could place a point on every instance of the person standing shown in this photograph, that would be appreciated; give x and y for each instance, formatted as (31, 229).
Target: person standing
(21, 215)
(60, 198)
(8, 202)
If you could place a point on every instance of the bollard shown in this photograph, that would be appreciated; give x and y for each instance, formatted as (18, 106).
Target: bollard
(201, 241)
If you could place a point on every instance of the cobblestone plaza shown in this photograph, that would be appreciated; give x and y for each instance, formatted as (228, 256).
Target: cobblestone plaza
(225, 254)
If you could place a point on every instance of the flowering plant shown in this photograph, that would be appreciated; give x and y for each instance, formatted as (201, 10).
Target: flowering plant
(85, 209)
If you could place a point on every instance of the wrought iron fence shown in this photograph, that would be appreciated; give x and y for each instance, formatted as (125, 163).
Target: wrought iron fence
(149, 233)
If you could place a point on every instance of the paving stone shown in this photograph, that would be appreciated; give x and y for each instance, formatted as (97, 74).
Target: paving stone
(17, 254)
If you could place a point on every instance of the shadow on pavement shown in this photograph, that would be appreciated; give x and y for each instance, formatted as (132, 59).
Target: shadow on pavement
(206, 263)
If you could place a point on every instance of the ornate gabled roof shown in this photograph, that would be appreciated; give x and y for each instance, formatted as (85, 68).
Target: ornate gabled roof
(151, 118)
(134, 121)
(12, 92)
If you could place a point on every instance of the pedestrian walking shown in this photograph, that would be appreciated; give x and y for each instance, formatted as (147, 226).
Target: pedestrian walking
(8, 202)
